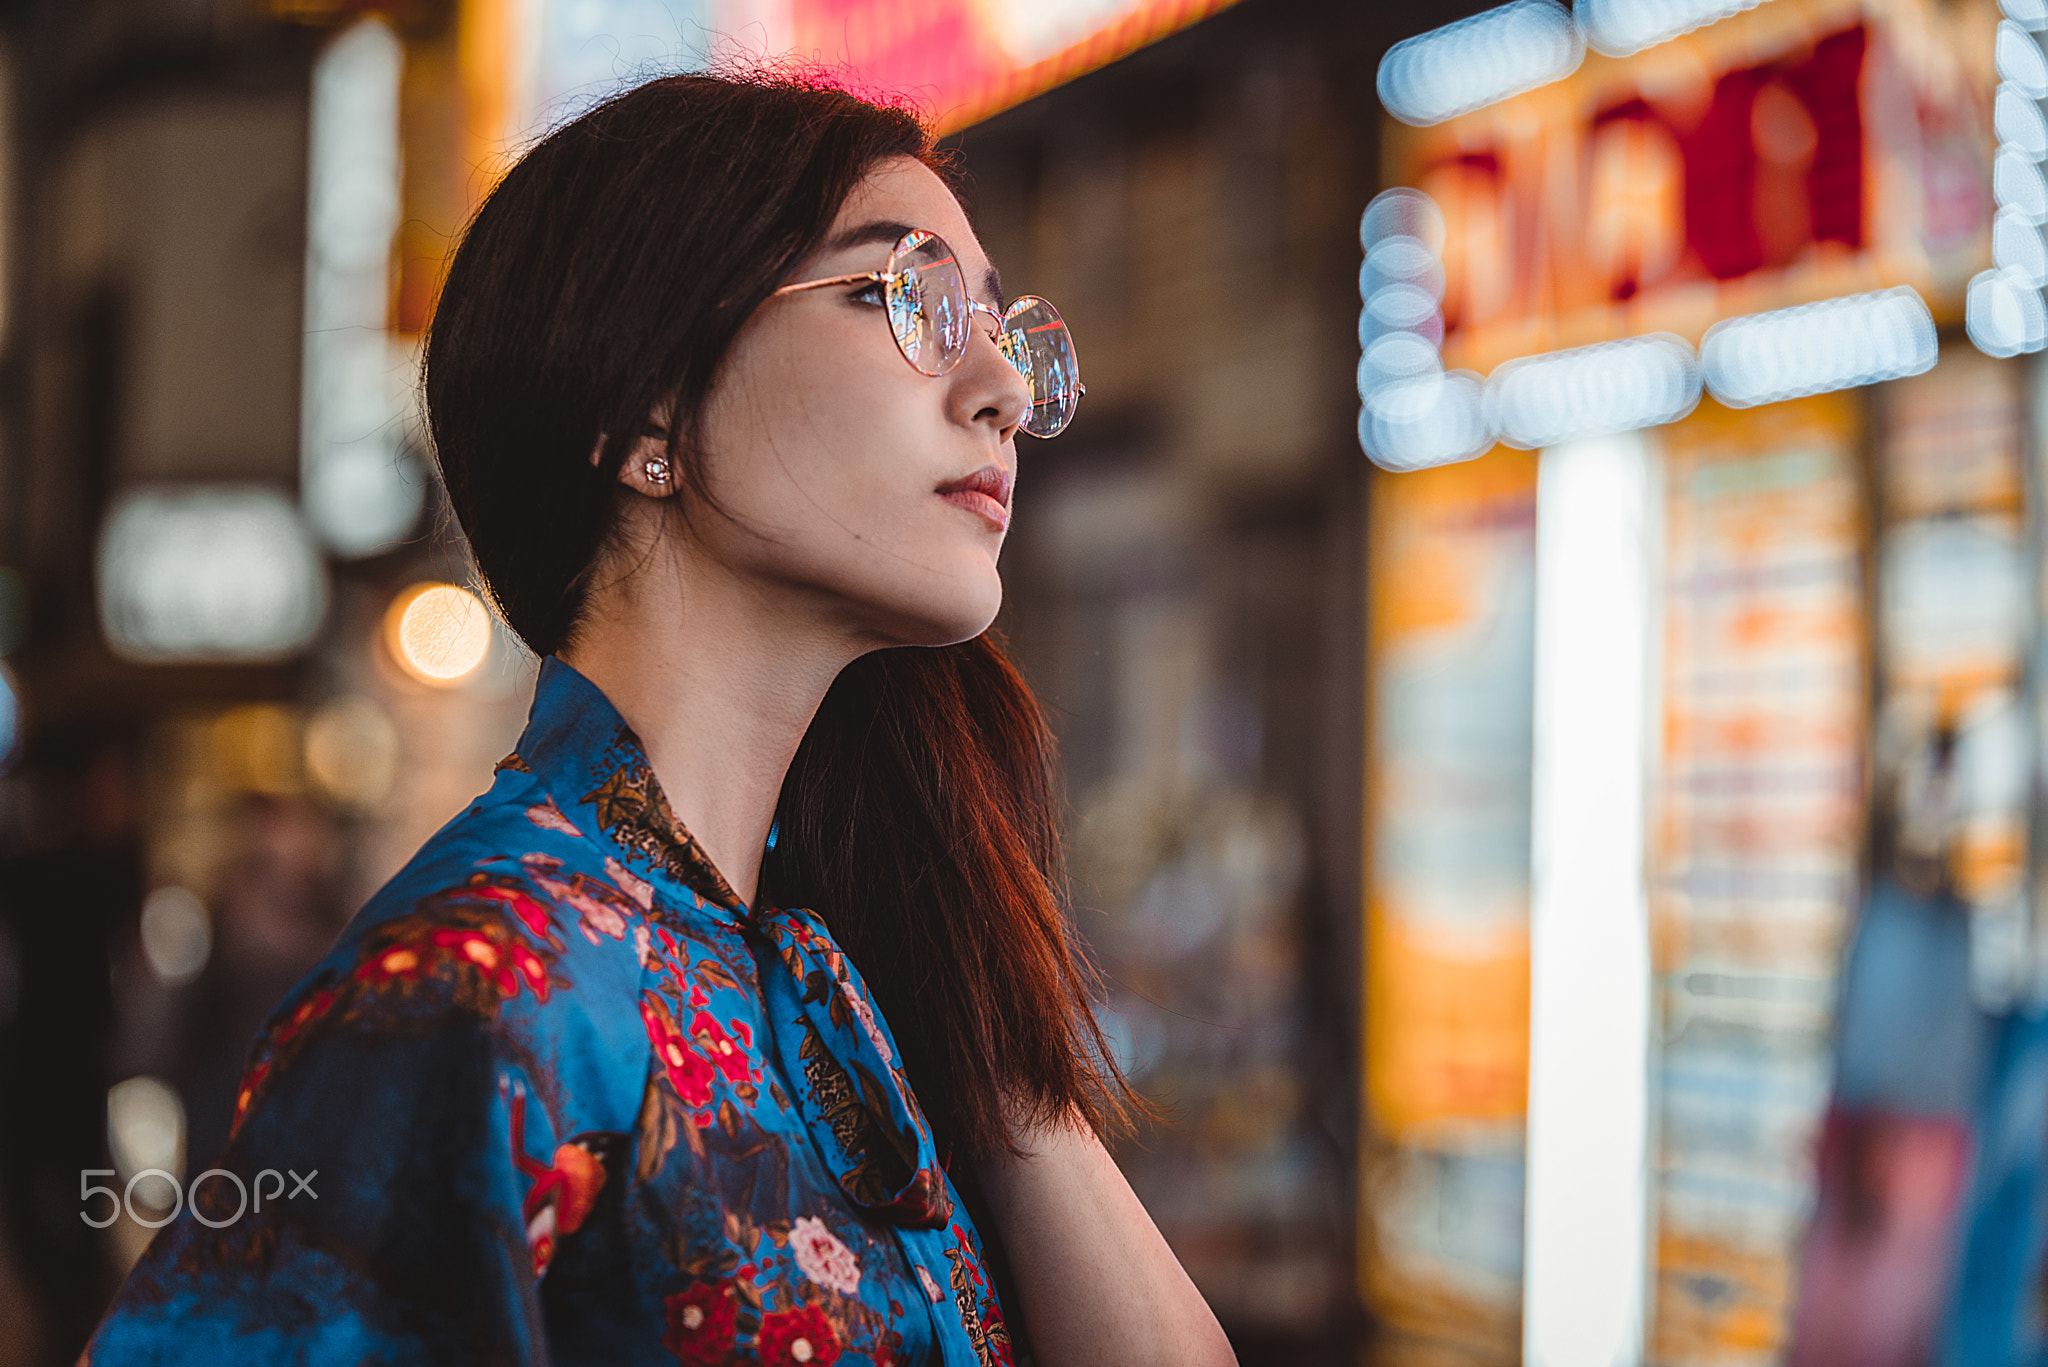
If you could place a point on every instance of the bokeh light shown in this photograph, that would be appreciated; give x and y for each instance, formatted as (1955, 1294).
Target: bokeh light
(1834, 344)
(1588, 391)
(1617, 28)
(352, 752)
(438, 633)
(177, 935)
(1474, 62)
(146, 1132)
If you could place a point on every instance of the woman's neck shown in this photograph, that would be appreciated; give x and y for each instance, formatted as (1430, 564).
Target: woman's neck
(720, 685)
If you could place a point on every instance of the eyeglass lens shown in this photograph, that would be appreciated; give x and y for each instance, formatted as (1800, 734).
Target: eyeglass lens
(931, 318)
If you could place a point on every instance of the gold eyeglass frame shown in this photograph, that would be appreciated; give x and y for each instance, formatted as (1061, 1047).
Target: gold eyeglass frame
(909, 242)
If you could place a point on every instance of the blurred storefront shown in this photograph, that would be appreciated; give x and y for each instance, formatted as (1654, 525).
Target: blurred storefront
(1832, 956)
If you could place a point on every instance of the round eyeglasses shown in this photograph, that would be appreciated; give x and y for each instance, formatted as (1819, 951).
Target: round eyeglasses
(931, 313)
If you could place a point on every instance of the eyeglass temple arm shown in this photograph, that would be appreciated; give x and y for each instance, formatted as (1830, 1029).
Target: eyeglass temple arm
(835, 280)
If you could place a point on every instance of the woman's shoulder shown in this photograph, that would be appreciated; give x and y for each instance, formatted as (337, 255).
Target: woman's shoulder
(506, 925)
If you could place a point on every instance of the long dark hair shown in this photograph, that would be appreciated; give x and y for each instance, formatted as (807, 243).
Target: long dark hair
(609, 273)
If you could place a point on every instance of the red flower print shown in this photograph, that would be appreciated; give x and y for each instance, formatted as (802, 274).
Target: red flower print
(689, 1072)
(701, 1324)
(797, 1338)
(312, 1008)
(719, 1047)
(532, 969)
(246, 1093)
(511, 893)
(401, 960)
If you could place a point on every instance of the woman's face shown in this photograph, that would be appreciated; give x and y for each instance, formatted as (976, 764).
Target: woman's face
(876, 495)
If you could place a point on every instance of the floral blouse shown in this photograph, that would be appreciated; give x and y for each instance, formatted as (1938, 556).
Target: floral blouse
(558, 1095)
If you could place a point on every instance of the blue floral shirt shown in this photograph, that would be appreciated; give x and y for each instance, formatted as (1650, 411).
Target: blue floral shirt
(559, 1096)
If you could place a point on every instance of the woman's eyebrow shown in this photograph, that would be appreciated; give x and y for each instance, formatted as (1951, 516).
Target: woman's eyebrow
(861, 234)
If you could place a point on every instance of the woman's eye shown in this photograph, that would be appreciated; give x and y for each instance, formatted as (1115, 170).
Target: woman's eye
(870, 293)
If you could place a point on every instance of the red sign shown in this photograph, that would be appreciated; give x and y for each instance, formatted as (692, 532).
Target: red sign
(1795, 153)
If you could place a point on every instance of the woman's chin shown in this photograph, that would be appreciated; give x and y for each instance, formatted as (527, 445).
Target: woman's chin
(959, 617)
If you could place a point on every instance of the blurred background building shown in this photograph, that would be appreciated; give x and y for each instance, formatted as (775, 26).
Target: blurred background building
(1542, 609)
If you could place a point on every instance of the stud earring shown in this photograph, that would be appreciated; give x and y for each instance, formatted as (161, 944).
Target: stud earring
(656, 470)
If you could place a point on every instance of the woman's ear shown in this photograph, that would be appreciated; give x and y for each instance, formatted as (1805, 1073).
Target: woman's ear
(647, 469)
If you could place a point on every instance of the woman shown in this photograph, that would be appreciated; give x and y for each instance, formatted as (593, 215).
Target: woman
(731, 429)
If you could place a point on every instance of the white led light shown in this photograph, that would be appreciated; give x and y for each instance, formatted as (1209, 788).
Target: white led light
(2003, 313)
(1402, 213)
(1401, 308)
(2016, 246)
(1434, 420)
(2017, 122)
(2029, 14)
(1586, 1245)
(1609, 387)
(2020, 61)
(1474, 62)
(2016, 184)
(1617, 28)
(224, 573)
(1394, 359)
(1834, 344)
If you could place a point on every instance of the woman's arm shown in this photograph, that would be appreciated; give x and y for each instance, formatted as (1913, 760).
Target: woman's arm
(1098, 1282)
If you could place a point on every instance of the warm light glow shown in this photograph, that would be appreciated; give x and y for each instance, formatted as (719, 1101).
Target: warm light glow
(1477, 61)
(438, 633)
(352, 752)
(1587, 1248)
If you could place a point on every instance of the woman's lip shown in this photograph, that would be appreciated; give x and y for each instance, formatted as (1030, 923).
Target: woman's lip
(974, 501)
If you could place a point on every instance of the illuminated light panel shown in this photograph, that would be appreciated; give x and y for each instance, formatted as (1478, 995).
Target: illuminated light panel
(1840, 343)
(1587, 1237)
(2003, 313)
(1588, 391)
(360, 486)
(1476, 61)
(177, 935)
(1619, 28)
(438, 633)
(209, 573)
